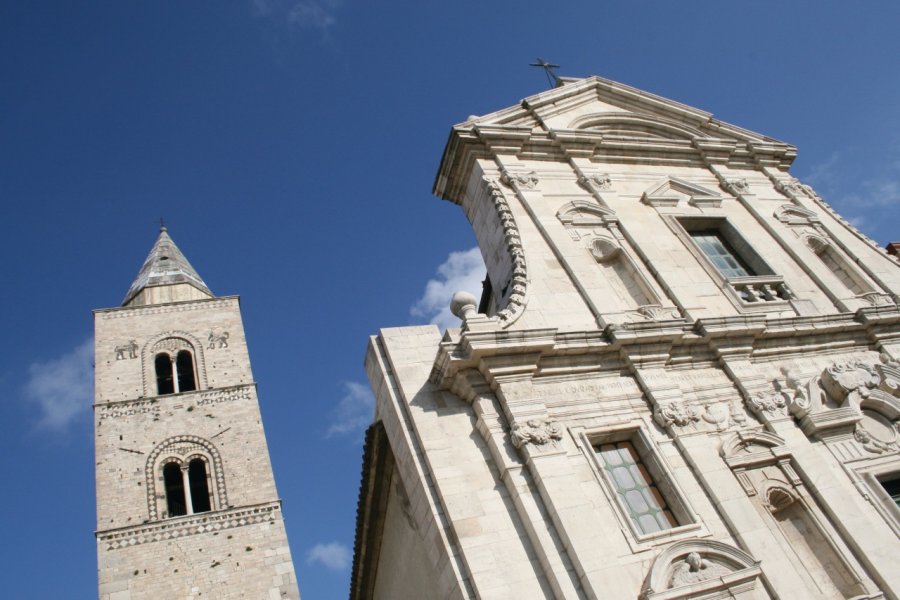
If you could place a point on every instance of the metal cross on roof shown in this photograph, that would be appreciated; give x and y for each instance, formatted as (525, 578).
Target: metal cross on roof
(552, 78)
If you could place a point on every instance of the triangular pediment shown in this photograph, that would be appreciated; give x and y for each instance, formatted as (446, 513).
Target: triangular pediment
(673, 190)
(613, 109)
(604, 121)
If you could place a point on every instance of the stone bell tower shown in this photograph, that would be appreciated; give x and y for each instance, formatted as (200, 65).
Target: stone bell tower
(186, 500)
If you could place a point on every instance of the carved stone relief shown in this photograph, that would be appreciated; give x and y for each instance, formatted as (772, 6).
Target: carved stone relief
(702, 568)
(535, 431)
(694, 568)
(717, 415)
(217, 340)
(130, 349)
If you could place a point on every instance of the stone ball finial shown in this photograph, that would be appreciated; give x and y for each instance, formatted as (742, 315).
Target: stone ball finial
(463, 305)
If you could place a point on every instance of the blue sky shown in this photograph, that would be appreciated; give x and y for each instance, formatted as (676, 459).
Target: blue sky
(291, 147)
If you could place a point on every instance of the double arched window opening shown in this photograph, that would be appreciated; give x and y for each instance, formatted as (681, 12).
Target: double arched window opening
(186, 487)
(175, 372)
(185, 476)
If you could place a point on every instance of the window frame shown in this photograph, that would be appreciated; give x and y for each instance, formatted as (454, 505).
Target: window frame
(745, 254)
(661, 475)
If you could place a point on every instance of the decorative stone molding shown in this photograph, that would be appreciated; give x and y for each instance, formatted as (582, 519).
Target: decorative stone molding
(130, 348)
(527, 180)
(877, 298)
(600, 182)
(767, 404)
(178, 527)
(183, 446)
(791, 214)
(127, 408)
(707, 568)
(657, 312)
(668, 193)
(114, 410)
(517, 299)
(679, 414)
(179, 307)
(872, 444)
(535, 431)
(737, 186)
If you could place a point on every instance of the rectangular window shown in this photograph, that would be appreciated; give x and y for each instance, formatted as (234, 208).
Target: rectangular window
(721, 254)
(640, 486)
(632, 483)
(891, 485)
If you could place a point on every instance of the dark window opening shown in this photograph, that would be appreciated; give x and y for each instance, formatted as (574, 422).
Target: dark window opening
(184, 364)
(199, 485)
(164, 382)
(174, 490)
(892, 487)
(721, 254)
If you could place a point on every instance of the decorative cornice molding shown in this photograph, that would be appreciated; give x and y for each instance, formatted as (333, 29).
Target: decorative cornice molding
(124, 408)
(178, 527)
(161, 309)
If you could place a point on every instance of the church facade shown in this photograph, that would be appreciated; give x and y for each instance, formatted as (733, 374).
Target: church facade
(186, 501)
(682, 380)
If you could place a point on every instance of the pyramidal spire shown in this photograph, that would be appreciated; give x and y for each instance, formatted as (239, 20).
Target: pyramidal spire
(167, 269)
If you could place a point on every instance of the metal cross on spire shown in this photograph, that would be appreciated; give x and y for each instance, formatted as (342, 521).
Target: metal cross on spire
(552, 78)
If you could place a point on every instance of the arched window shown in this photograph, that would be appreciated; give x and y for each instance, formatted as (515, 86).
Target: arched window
(175, 375)
(174, 481)
(184, 368)
(165, 384)
(199, 485)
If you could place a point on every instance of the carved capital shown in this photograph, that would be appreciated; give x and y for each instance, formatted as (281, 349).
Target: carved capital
(527, 180)
(737, 186)
(596, 182)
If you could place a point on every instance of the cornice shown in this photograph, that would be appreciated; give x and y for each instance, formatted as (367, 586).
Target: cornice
(119, 312)
(505, 352)
(122, 408)
(178, 527)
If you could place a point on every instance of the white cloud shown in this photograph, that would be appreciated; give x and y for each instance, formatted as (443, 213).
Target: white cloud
(462, 271)
(354, 411)
(305, 14)
(62, 387)
(333, 555)
(311, 14)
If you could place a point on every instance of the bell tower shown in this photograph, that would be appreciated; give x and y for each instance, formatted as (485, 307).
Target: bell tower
(186, 499)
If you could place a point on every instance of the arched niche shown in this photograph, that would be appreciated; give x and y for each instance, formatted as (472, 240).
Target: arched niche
(840, 267)
(692, 568)
(172, 342)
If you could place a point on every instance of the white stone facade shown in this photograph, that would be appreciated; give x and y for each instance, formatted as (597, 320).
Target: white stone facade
(661, 291)
(237, 548)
